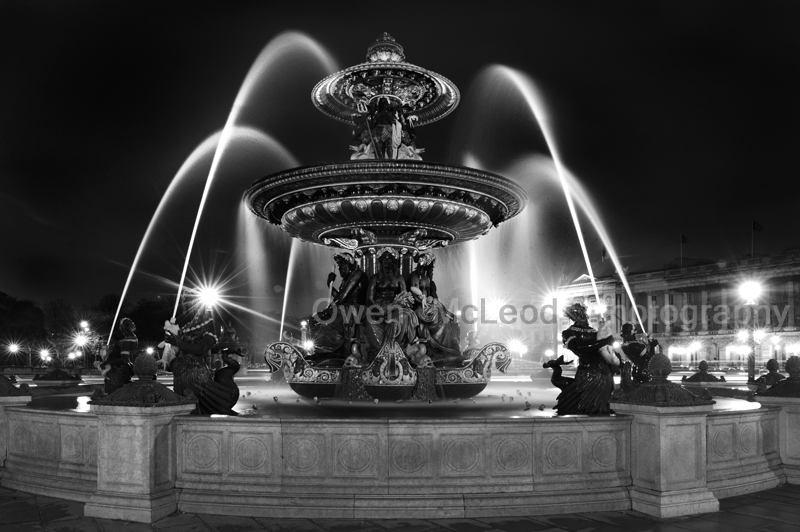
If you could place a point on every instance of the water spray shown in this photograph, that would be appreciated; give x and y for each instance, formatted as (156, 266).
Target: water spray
(528, 90)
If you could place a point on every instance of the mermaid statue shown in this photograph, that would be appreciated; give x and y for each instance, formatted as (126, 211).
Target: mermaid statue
(590, 391)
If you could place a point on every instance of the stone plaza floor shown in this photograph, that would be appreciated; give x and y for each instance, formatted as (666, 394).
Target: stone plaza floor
(775, 510)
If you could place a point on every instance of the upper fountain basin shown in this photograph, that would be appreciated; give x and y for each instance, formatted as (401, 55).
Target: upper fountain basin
(406, 203)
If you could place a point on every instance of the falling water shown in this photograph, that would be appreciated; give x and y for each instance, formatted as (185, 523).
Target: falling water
(204, 149)
(176, 191)
(529, 91)
(286, 43)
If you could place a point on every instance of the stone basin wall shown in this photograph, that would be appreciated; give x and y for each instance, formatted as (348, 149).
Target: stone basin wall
(52, 453)
(391, 468)
(386, 468)
(742, 451)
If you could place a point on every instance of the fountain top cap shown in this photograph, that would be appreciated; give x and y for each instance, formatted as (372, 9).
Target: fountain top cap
(386, 75)
(385, 49)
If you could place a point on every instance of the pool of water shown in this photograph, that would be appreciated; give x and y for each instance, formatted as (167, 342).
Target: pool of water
(506, 397)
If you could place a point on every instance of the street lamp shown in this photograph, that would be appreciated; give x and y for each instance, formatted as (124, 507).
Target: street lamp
(750, 291)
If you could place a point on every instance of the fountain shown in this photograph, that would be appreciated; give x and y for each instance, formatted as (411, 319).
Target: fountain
(383, 334)
(387, 209)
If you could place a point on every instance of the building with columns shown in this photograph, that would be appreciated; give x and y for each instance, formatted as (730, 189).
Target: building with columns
(719, 312)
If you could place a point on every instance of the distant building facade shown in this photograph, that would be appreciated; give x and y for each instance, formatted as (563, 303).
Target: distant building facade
(718, 312)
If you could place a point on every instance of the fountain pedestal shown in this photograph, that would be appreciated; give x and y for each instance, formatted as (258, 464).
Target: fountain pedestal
(136, 449)
(668, 442)
(668, 459)
(135, 463)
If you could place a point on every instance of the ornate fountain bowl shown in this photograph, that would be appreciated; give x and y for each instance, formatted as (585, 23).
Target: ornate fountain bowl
(399, 203)
(427, 95)
(303, 378)
(471, 379)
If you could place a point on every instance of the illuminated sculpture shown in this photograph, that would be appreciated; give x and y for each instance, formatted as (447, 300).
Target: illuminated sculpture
(388, 209)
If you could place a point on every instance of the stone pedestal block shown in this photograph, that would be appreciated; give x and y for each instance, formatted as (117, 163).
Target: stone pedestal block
(668, 459)
(136, 462)
(789, 434)
(14, 400)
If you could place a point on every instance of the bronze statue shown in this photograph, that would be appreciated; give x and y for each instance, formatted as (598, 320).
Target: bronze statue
(118, 367)
(439, 328)
(333, 329)
(388, 283)
(590, 392)
(638, 355)
(390, 311)
(194, 342)
(557, 378)
(702, 375)
(219, 396)
(384, 131)
(772, 378)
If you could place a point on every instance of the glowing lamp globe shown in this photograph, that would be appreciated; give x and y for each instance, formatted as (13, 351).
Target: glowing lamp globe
(750, 291)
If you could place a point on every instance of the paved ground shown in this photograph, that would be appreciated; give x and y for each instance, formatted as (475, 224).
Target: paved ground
(776, 510)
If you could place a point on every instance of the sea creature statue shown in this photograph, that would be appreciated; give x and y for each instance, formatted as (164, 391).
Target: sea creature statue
(558, 380)
(589, 393)
(703, 375)
(218, 396)
(118, 362)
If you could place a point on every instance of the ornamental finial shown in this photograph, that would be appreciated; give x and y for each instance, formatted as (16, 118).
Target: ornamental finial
(385, 50)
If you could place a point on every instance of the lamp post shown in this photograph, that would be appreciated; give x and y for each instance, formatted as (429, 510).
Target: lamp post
(750, 291)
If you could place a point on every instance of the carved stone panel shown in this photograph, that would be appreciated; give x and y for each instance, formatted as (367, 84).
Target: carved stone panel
(202, 452)
(251, 454)
(463, 455)
(410, 456)
(304, 454)
(357, 455)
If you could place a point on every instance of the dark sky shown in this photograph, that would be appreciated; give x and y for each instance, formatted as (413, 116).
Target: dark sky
(677, 117)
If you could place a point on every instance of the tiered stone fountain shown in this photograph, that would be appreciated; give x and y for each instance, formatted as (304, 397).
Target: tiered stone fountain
(387, 209)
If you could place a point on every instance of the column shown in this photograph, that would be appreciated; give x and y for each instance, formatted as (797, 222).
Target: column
(789, 322)
(703, 312)
(683, 311)
(668, 323)
(651, 309)
(723, 301)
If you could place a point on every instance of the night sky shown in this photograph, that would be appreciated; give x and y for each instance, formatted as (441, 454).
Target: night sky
(677, 117)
